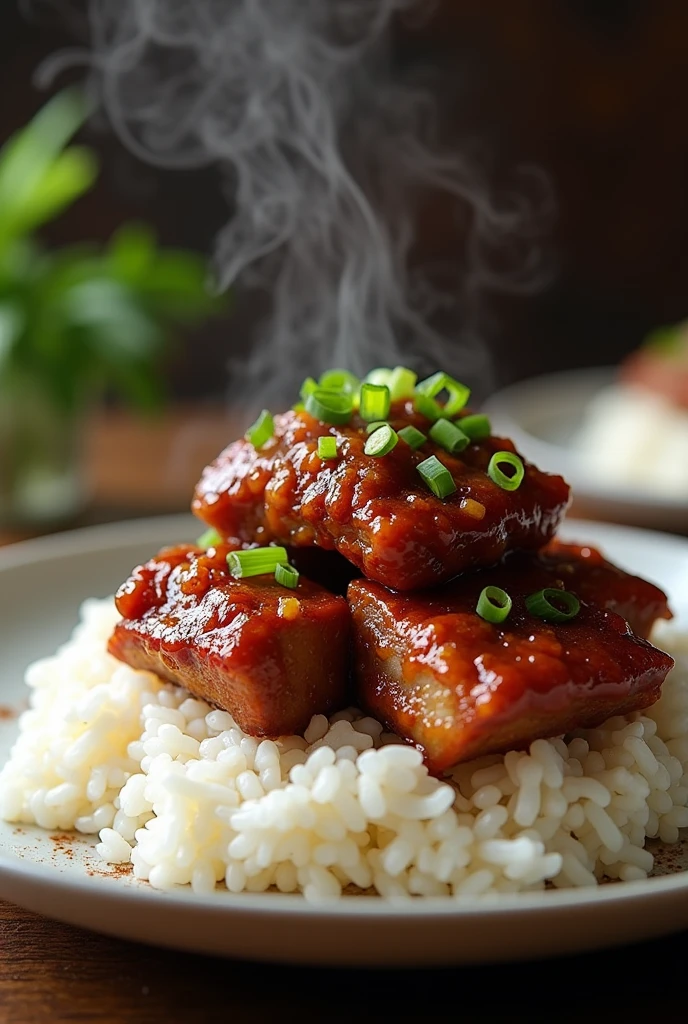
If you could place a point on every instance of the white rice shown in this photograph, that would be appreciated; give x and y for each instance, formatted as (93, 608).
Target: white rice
(174, 787)
(631, 437)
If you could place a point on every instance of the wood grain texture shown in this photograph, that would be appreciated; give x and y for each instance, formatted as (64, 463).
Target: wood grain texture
(51, 972)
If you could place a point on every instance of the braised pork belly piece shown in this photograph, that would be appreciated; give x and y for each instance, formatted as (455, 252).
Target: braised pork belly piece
(457, 686)
(379, 512)
(585, 571)
(271, 656)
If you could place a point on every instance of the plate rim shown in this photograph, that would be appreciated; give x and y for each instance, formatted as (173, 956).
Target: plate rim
(14, 868)
(287, 905)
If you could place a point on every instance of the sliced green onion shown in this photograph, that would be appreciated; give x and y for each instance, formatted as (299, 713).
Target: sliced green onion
(374, 402)
(413, 437)
(380, 375)
(210, 539)
(448, 436)
(427, 407)
(308, 387)
(546, 604)
(375, 425)
(507, 483)
(381, 441)
(340, 380)
(256, 561)
(437, 477)
(329, 406)
(327, 447)
(494, 604)
(458, 394)
(401, 382)
(476, 427)
(287, 575)
(262, 430)
(299, 407)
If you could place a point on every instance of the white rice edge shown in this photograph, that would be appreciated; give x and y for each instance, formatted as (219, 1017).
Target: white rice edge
(173, 786)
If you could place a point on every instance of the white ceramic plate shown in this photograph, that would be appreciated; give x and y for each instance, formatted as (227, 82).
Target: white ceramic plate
(42, 584)
(541, 415)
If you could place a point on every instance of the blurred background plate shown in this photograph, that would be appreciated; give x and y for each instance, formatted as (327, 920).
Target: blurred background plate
(542, 415)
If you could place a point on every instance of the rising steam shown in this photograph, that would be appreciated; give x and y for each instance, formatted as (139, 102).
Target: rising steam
(329, 149)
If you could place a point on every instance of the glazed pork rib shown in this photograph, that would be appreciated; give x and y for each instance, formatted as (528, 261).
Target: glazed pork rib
(457, 686)
(271, 656)
(377, 512)
(585, 571)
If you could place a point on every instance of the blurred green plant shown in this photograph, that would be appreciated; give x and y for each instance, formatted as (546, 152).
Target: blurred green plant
(80, 320)
(77, 322)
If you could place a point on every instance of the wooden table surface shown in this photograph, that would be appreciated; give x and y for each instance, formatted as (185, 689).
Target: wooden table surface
(50, 971)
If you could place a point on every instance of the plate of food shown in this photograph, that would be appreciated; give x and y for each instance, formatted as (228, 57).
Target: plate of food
(377, 703)
(619, 435)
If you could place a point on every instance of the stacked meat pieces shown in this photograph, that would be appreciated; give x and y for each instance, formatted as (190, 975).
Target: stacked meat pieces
(389, 609)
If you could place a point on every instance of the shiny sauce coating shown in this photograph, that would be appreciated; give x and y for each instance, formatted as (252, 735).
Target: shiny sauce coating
(271, 656)
(377, 512)
(458, 687)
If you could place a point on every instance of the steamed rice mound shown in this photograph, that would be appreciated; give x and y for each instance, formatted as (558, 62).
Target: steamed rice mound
(173, 786)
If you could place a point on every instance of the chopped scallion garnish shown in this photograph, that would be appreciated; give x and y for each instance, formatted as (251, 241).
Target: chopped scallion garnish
(340, 380)
(329, 406)
(401, 382)
(413, 437)
(308, 387)
(287, 575)
(378, 376)
(494, 604)
(327, 447)
(437, 477)
(477, 427)
(507, 483)
(381, 441)
(262, 430)
(375, 402)
(210, 539)
(256, 561)
(374, 425)
(458, 394)
(547, 604)
(449, 436)
(427, 407)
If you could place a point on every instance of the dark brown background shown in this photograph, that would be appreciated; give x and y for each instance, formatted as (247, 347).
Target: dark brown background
(593, 91)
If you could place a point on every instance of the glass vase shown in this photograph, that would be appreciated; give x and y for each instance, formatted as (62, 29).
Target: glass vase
(41, 459)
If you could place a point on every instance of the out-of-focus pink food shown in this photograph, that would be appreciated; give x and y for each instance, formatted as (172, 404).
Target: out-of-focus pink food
(271, 656)
(660, 370)
(458, 687)
(377, 512)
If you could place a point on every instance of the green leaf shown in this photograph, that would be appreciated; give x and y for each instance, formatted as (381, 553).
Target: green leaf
(11, 327)
(120, 328)
(177, 285)
(28, 155)
(132, 252)
(69, 176)
(18, 263)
